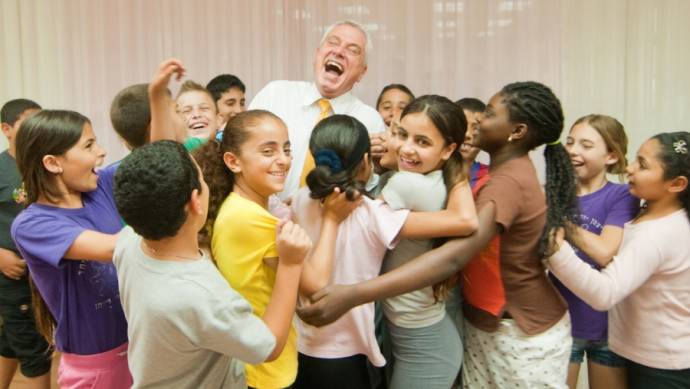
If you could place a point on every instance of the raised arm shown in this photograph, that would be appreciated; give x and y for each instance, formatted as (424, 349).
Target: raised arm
(458, 219)
(431, 267)
(317, 270)
(164, 123)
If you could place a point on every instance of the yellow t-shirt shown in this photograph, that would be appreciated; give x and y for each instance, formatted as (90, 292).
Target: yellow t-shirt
(243, 235)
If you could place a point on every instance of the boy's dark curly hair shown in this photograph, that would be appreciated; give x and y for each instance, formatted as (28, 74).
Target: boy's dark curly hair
(152, 187)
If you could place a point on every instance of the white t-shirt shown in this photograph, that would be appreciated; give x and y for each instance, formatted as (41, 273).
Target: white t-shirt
(362, 240)
(417, 192)
(187, 328)
(296, 103)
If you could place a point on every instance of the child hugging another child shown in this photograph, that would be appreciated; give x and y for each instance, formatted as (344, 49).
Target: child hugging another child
(426, 345)
(335, 356)
(597, 145)
(67, 236)
(517, 331)
(646, 286)
(188, 328)
(244, 170)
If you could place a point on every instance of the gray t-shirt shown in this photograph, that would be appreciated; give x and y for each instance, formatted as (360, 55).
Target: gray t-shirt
(187, 327)
(416, 192)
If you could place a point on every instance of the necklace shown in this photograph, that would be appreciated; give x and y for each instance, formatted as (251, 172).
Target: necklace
(157, 253)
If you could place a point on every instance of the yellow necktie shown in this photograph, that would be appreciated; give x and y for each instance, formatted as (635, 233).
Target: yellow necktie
(325, 106)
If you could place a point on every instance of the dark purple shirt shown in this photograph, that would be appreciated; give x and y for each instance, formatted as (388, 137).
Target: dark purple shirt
(83, 296)
(612, 205)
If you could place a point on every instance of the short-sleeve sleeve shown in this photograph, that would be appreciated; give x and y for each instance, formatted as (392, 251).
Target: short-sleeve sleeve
(504, 191)
(386, 223)
(232, 328)
(624, 207)
(397, 193)
(106, 177)
(45, 237)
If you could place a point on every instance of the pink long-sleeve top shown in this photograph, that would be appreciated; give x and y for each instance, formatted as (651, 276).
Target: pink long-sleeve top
(646, 289)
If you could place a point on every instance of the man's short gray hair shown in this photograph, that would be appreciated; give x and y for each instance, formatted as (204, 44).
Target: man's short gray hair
(369, 46)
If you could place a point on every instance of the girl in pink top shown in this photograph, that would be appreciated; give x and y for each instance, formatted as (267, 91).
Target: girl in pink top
(646, 287)
(335, 356)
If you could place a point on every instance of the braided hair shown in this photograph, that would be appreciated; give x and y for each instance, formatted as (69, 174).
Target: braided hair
(535, 105)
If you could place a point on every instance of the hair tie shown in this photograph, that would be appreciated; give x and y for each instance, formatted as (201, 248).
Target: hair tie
(679, 147)
(556, 142)
(328, 157)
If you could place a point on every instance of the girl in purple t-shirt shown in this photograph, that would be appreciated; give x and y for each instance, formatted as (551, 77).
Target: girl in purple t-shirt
(67, 235)
(597, 145)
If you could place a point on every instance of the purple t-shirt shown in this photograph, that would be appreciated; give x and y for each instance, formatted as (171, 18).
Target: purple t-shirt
(83, 296)
(612, 205)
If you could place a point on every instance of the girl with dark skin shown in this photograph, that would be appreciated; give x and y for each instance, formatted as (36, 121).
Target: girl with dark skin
(519, 118)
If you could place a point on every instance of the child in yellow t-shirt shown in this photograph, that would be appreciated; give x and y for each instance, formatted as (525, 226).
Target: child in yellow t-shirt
(243, 170)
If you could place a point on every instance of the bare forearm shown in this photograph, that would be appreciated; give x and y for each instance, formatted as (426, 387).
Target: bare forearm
(601, 248)
(281, 307)
(161, 123)
(318, 267)
(93, 246)
(431, 267)
(458, 219)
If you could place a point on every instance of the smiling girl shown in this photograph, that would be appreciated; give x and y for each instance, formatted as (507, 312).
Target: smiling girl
(243, 171)
(67, 236)
(646, 286)
(426, 344)
(517, 332)
(597, 145)
(336, 356)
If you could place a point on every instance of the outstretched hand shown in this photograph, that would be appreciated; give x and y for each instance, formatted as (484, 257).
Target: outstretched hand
(327, 305)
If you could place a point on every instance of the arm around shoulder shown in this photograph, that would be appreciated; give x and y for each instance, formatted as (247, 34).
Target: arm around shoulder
(458, 219)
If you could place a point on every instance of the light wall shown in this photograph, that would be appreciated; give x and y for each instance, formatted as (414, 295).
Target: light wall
(626, 58)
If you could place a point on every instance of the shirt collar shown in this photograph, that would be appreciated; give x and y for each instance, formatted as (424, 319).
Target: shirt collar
(341, 104)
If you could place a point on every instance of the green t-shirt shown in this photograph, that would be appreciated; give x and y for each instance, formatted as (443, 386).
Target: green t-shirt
(192, 143)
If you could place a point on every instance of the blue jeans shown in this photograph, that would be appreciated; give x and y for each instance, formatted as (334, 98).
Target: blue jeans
(597, 352)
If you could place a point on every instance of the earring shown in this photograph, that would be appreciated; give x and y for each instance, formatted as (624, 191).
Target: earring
(510, 138)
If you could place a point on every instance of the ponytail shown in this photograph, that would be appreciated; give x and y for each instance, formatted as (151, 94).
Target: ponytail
(561, 193)
(340, 145)
(45, 322)
(535, 105)
(219, 179)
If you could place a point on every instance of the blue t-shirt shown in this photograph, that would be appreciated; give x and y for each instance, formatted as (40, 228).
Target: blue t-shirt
(611, 205)
(83, 296)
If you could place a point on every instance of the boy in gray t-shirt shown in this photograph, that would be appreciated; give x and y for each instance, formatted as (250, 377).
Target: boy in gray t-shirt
(187, 328)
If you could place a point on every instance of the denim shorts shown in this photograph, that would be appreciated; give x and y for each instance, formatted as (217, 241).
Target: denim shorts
(597, 352)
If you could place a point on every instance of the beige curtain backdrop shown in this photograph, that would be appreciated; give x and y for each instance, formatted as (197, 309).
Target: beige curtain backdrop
(626, 58)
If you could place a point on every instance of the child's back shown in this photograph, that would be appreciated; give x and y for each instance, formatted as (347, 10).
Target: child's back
(186, 326)
(363, 239)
